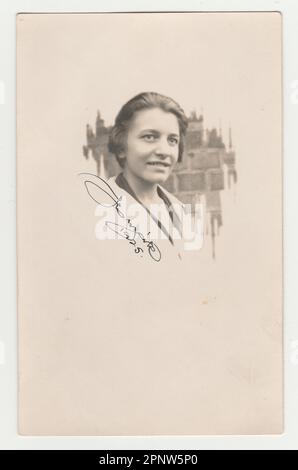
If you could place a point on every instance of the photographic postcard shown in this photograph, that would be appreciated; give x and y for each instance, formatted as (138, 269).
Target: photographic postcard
(149, 223)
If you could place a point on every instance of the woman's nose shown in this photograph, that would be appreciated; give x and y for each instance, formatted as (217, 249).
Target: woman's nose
(163, 148)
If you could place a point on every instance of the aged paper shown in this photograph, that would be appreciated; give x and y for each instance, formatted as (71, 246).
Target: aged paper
(112, 339)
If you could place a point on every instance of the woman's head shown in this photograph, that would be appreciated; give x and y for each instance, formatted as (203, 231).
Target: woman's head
(148, 135)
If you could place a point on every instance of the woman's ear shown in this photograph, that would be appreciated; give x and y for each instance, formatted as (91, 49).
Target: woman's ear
(122, 156)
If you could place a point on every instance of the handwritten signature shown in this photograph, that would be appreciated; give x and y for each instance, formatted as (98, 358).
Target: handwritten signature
(128, 231)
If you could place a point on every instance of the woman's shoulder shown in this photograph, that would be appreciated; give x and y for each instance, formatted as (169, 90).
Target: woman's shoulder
(111, 180)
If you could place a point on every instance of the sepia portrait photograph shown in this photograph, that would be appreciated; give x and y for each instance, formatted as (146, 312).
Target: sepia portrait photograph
(149, 224)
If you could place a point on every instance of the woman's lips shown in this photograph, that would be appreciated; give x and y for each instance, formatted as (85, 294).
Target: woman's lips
(159, 164)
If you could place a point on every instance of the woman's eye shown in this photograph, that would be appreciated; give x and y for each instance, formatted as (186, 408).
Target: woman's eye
(173, 140)
(149, 137)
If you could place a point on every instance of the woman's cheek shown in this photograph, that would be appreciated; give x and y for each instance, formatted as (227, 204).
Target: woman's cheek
(144, 148)
(175, 157)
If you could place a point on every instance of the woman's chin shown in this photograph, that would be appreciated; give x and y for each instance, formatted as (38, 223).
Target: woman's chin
(157, 178)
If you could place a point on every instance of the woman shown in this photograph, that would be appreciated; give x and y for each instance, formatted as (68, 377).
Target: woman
(147, 140)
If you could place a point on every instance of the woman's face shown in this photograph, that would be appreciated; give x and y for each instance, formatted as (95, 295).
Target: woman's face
(152, 145)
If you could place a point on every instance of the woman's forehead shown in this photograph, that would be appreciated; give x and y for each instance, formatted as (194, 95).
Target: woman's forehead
(155, 118)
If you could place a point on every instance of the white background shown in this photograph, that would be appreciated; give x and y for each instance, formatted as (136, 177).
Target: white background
(9, 438)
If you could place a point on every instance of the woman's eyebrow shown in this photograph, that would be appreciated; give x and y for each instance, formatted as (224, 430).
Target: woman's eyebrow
(155, 131)
(149, 130)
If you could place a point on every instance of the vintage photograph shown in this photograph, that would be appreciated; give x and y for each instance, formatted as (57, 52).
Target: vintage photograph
(149, 224)
(147, 141)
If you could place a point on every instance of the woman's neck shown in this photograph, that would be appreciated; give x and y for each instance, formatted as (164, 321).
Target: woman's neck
(146, 192)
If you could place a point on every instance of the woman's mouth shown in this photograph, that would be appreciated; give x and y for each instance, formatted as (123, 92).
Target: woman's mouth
(159, 164)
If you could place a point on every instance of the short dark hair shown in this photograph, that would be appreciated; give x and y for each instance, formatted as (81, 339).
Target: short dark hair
(146, 100)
